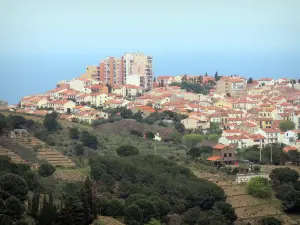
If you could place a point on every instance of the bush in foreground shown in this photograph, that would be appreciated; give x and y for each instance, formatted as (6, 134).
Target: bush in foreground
(269, 220)
(259, 187)
(127, 150)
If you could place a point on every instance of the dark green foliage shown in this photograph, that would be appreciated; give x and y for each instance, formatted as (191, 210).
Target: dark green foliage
(2, 206)
(35, 204)
(79, 150)
(136, 132)
(48, 213)
(115, 208)
(259, 187)
(86, 197)
(50, 122)
(286, 125)
(289, 196)
(46, 170)
(250, 80)
(150, 135)
(74, 133)
(269, 220)
(5, 220)
(32, 180)
(195, 152)
(226, 210)
(3, 122)
(148, 209)
(154, 187)
(13, 185)
(14, 208)
(138, 116)
(16, 121)
(150, 120)
(127, 150)
(284, 175)
(179, 127)
(194, 87)
(126, 113)
(97, 170)
(133, 213)
(89, 140)
(256, 169)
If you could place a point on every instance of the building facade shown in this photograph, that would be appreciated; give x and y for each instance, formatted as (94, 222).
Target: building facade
(115, 71)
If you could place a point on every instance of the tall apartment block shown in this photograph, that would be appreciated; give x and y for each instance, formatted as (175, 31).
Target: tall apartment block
(121, 70)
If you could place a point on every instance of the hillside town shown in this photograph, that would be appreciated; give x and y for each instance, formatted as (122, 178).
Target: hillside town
(248, 111)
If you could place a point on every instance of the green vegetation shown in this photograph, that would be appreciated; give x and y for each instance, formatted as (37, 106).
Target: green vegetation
(259, 187)
(50, 122)
(147, 188)
(46, 170)
(127, 150)
(193, 86)
(89, 140)
(286, 125)
(269, 220)
(195, 152)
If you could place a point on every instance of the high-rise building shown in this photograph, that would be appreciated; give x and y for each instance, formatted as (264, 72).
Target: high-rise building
(116, 70)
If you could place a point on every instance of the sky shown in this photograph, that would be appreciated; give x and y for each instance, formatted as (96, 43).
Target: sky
(42, 42)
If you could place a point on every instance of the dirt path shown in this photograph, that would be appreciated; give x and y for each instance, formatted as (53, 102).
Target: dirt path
(247, 208)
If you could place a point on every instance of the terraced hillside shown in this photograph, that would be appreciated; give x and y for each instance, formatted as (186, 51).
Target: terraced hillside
(41, 149)
(248, 209)
(14, 157)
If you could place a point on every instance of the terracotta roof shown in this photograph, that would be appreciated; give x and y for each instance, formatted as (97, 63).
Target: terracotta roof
(289, 148)
(220, 146)
(269, 130)
(214, 158)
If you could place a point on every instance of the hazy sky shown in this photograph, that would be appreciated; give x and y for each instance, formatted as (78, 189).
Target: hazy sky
(257, 38)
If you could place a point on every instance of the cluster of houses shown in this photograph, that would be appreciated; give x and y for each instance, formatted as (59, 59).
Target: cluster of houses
(249, 113)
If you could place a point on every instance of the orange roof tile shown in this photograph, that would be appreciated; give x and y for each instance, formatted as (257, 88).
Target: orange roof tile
(214, 158)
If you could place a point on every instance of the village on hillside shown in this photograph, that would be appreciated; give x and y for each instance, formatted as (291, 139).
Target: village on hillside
(249, 112)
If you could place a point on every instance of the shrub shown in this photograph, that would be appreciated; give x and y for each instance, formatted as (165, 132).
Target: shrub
(259, 187)
(127, 150)
(89, 140)
(150, 135)
(284, 175)
(74, 133)
(235, 171)
(136, 132)
(269, 220)
(256, 169)
(46, 170)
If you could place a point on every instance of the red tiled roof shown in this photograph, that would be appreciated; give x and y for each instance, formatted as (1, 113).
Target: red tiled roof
(214, 158)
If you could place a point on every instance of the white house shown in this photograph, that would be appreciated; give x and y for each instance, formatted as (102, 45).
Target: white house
(271, 135)
(266, 81)
(98, 99)
(61, 106)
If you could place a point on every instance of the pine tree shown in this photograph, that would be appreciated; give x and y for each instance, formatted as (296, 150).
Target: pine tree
(87, 199)
(35, 205)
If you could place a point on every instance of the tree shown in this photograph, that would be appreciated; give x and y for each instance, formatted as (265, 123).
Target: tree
(213, 137)
(17, 122)
(68, 109)
(50, 122)
(225, 209)
(79, 150)
(97, 170)
(14, 207)
(179, 127)
(284, 175)
(32, 180)
(289, 196)
(138, 116)
(14, 185)
(136, 132)
(46, 170)
(195, 152)
(35, 204)
(3, 122)
(127, 150)
(89, 140)
(133, 213)
(86, 197)
(74, 133)
(150, 135)
(126, 113)
(269, 220)
(200, 79)
(115, 208)
(147, 207)
(259, 187)
(250, 80)
(286, 125)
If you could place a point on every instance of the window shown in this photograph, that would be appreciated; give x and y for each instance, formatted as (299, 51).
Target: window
(230, 155)
(225, 155)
